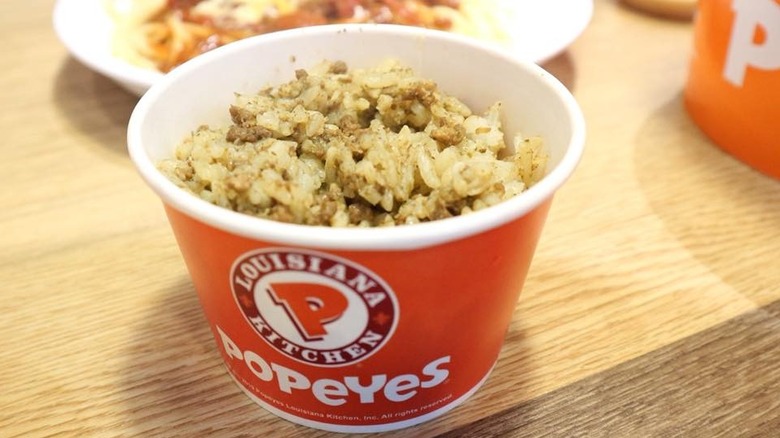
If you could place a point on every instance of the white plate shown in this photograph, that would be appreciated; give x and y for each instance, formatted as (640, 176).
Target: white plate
(86, 30)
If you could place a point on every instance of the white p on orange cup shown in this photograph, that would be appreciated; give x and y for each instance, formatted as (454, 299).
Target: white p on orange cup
(358, 330)
(733, 88)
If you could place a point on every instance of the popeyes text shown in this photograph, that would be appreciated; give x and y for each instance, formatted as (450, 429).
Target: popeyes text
(332, 392)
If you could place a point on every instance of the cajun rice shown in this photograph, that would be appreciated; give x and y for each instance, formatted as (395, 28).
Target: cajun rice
(356, 147)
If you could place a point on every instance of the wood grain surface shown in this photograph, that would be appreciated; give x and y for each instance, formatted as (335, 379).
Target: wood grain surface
(705, 385)
(651, 308)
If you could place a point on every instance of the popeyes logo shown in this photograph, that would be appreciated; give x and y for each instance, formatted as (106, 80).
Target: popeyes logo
(755, 39)
(314, 307)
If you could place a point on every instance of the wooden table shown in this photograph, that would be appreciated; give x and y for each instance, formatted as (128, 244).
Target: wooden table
(652, 306)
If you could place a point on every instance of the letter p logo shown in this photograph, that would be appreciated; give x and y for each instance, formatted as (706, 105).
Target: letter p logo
(755, 39)
(310, 306)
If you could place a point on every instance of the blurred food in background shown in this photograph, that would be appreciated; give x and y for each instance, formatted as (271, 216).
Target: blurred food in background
(161, 34)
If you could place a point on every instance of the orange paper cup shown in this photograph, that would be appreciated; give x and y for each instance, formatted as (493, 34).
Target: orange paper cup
(358, 330)
(733, 89)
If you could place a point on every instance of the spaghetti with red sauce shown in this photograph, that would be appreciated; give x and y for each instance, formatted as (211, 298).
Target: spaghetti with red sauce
(179, 32)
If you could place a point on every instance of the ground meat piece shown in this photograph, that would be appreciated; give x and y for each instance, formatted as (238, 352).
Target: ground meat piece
(359, 212)
(422, 91)
(328, 208)
(241, 134)
(242, 116)
(328, 205)
(338, 68)
(449, 135)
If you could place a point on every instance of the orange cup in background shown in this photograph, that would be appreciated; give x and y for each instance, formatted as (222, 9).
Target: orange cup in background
(733, 89)
(358, 330)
